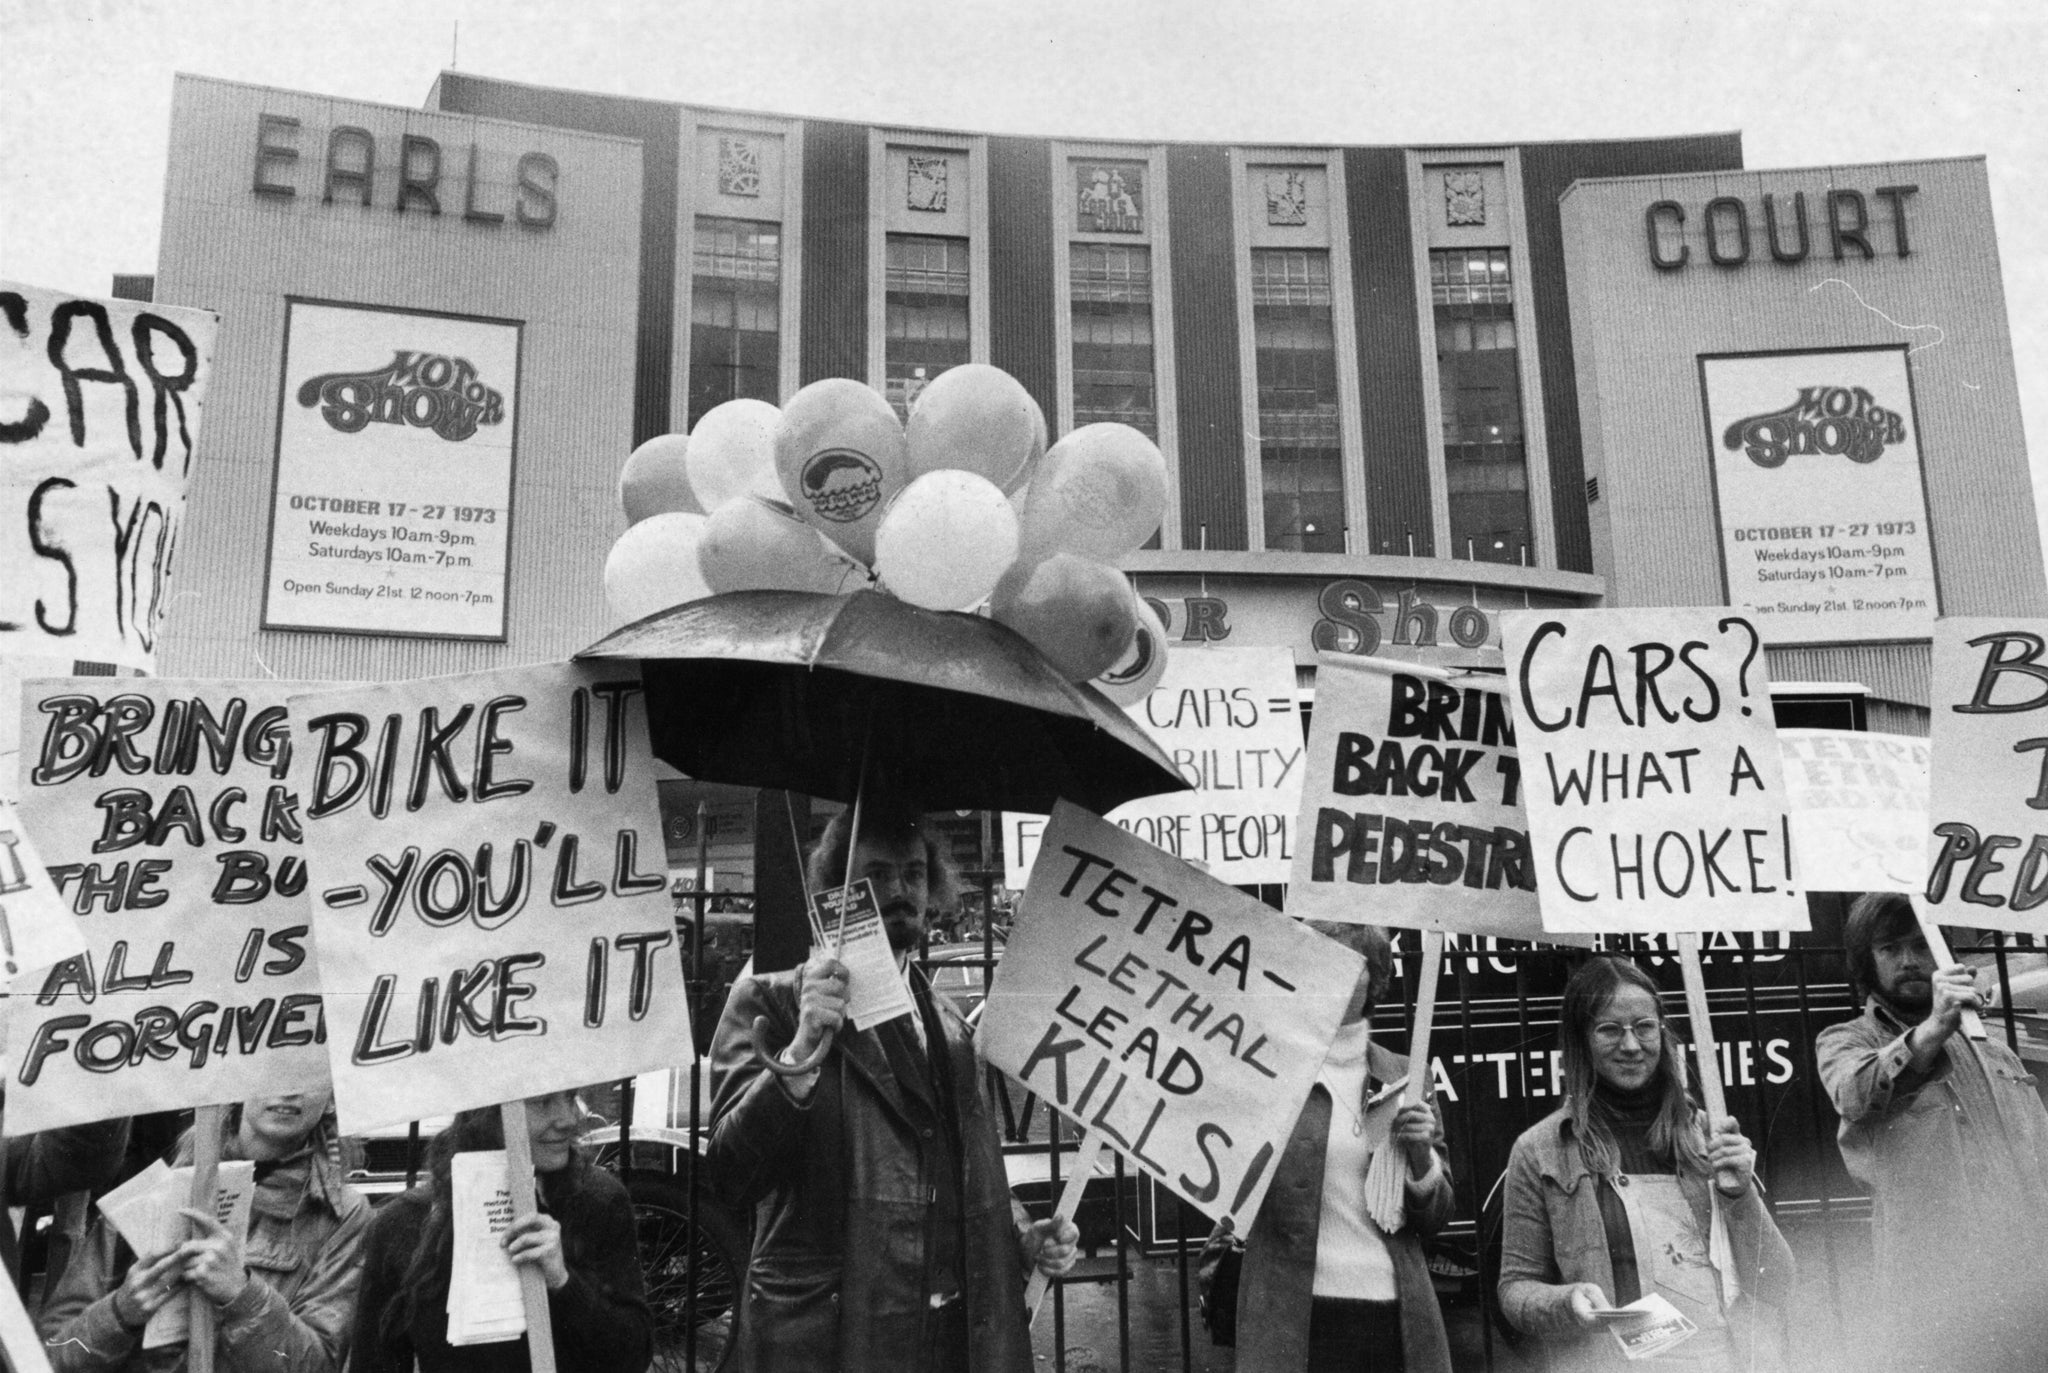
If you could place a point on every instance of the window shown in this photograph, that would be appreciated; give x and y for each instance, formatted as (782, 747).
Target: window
(1300, 442)
(1485, 463)
(1111, 295)
(925, 313)
(735, 313)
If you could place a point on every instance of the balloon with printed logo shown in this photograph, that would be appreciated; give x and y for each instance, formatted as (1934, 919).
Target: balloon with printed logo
(976, 418)
(654, 566)
(1078, 612)
(842, 457)
(732, 453)
(753, 544)
(946, 541)
(1130, 679)
(1099, 492)
(655, 480)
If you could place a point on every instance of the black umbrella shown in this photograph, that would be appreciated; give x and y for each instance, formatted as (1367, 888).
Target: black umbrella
(835, 695)
(792, 690)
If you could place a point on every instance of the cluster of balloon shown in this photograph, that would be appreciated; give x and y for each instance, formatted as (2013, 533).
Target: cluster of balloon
(963, 505)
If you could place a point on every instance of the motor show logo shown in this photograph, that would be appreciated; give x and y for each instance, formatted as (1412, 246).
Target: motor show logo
(424, 390)
(1840, 421)
(842, 485)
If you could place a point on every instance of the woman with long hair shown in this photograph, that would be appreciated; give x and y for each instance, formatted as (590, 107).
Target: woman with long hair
(581, 1239)
(1626, 1190)
(283, 1293)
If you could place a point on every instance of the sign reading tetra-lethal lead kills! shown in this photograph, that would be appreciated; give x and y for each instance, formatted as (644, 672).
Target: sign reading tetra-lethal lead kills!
(488, 896)
(1176, 1016)
(1650, 766)
(1988, 808)
(164, 815)
(1412, 808)
(100, 403)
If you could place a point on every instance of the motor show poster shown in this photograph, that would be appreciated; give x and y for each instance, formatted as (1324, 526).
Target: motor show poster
(1651, 771)
(1987, 846)
(1177, 1017)
(1823, 511)
(1229, 721)
(489, 898)
(163, 814)
(395, 443)
(100, 408)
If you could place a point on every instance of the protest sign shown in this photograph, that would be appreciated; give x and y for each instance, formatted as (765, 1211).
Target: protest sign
(1650, 766)
(162, 812)
(1157, 1006)
(1411, 810)
(1859, 809)
(1987, 857)
(1228, 719)
(100, 402)
(490, 905)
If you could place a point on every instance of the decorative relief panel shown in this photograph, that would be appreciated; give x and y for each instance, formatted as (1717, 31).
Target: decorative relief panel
(739, 167)
(927, 184)
(1109, 197)
(1286, 197)
(1464, 197)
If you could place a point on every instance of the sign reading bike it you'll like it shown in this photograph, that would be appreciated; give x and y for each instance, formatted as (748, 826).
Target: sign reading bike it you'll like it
(489, 901)
(1178, 1018)
(1651, 770)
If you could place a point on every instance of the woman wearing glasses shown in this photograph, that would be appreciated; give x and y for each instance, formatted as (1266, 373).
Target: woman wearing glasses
(1623, 1194)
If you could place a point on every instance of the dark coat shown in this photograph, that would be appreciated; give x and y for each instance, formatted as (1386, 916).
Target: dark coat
(1278, 1283)
(841, 1185)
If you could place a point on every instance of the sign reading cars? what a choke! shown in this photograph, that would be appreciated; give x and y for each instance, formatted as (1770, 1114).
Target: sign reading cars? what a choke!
(1650, 767)
(168, 826)
(1178, 1017)
(489, 901)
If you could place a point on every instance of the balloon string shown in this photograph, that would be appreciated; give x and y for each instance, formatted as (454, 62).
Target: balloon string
(803, 877)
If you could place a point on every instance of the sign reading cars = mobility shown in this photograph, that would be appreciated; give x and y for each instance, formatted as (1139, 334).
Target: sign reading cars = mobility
(392, 512)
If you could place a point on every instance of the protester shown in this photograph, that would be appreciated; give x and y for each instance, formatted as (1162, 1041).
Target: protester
(582, 1240)
(284, 1295)
(885, 1237)
(1324, 1289)
(1617, 1195)
(39, 1168)
(1950, 1136)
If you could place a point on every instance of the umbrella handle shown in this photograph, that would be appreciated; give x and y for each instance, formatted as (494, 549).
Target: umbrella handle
(775, 1065)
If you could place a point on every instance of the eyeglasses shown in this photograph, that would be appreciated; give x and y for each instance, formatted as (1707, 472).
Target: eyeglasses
(1608, 1033)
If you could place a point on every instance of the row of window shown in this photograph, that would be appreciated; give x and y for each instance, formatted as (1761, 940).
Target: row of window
(735, 351)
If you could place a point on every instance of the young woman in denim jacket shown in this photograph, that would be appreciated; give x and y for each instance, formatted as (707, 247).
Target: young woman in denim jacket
(1622, 1192)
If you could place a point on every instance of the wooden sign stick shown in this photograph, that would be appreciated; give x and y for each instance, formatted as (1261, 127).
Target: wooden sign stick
(1702, 1026)
(207, 1124)
(1086, 1155)
(1386, 1177)
(1972, 1024)
(533, 1287)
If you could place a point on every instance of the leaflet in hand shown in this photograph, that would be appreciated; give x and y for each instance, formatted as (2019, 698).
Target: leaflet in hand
(144, 1210)
(484, 1303)
(875, 988)
(1660, 1326)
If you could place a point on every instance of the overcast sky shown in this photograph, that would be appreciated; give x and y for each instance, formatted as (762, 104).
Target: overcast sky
(84, 116)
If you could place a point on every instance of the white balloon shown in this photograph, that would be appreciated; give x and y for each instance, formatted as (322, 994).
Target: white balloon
(946, 540)
(976, 418)
(1099, 492)
(842, 457)
(753, 544)
(654, 566)
(655, 479)
(732, 453)
(1134, 675)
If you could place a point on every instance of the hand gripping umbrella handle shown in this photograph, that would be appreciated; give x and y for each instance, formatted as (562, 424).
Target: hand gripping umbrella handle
(774, 1064)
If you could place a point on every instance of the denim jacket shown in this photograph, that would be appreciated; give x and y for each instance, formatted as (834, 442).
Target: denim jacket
(1553, 1237)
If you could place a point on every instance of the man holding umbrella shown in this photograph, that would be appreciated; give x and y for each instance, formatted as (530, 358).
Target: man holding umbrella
(885, 1236)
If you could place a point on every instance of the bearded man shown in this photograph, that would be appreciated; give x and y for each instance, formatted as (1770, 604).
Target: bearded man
(885, 1236)
(1951, 1138)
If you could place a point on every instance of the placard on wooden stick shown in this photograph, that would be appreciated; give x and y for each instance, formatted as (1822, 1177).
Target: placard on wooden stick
(533, 1287)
